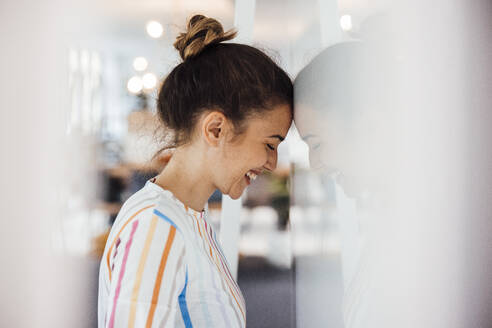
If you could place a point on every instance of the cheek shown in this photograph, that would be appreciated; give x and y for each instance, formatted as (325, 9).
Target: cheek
(238, 160)
(231, 167)
(257, 158)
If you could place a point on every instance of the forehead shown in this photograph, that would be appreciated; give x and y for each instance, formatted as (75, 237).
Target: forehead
(271, 122)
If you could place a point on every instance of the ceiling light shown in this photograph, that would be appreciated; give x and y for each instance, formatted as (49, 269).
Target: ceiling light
(140, 64)
(135, 84)
(149, 81)
(154, 29)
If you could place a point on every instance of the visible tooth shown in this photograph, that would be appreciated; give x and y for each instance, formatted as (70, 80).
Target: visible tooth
(251, 175)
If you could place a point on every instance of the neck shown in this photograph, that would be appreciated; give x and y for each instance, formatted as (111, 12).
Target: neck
(186, 177)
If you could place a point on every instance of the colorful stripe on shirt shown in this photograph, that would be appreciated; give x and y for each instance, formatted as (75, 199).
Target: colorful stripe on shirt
(231, 284)
(118, 234)
(160, 273)
(122, 273)
(141, 266)
(150, 273)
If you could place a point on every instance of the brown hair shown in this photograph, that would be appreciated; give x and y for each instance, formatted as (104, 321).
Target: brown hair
(235, 79)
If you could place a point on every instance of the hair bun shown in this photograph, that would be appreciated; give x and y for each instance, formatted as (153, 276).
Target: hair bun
(201, 32)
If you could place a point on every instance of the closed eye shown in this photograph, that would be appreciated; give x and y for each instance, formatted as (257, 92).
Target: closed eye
(271, 147)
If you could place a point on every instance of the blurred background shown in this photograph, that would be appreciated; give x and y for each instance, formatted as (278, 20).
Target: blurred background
(378, 214)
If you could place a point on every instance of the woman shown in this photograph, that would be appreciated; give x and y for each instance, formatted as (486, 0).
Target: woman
(229, 106)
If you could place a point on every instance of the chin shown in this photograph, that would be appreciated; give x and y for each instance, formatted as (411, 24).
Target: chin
(235, 196)
(234, 190)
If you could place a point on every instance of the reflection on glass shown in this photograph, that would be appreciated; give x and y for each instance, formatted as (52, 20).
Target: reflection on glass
(344, 114)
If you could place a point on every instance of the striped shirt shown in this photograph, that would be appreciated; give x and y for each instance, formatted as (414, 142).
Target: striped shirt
(164, 267)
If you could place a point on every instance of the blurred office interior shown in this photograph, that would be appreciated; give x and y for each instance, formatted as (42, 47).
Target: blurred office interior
(378, 214)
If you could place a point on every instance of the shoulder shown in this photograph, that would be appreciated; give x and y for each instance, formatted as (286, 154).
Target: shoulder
(138, 205)
(148, 202)
(151, 208)
(169, 211)
(147, 227)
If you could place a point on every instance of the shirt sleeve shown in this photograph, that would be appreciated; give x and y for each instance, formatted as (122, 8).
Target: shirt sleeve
(148, 274)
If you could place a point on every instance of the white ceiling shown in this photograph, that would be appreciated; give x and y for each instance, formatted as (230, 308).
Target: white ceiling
(285, 29)
(276, 21)
(125, 19)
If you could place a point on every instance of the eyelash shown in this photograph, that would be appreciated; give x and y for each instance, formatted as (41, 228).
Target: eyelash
(271, 147)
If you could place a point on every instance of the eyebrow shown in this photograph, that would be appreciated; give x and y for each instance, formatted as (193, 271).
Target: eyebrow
(277, 136)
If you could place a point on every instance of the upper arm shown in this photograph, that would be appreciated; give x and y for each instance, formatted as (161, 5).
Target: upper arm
(148, 273)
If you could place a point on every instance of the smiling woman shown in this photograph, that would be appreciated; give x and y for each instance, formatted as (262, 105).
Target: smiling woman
(228, 106)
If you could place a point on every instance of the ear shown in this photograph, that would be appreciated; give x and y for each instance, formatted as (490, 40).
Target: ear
(214, 128)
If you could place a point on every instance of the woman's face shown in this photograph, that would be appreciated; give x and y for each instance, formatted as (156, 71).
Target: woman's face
(253, 151)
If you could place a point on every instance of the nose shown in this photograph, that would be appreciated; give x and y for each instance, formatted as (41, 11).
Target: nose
(271, 162)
